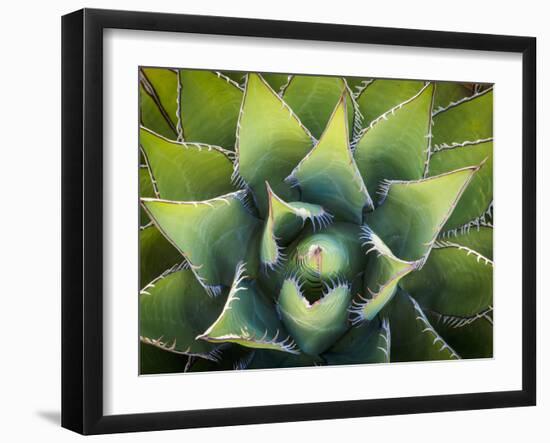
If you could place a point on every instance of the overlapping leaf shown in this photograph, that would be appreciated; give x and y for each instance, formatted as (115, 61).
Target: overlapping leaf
(479, 194)
(283, 222)
(186, 171)
(369, 342)
(413, 336)
(469, 119)
(455, 281)
(156, 254)
(271, 142)
(174, 309)
(314, 326)
(396, 145)
(249, 319)
(413, 213)
(328, 175)
(313, 99)
(205, 231)
(209, 107)
(380, 95)
(382, 275)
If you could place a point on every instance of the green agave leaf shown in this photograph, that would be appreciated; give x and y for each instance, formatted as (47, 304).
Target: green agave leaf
(471, 337)
(271, 141)
(449, 92)
(165, 84)
(237, 76)
(455, 281)
(186, 171)
(469, 119)
(204, 232)
(413, 338)
(396, 145)
(209, 107)
(145, 190)
(265, 359)
(478, 238)
(368, 343)
(316, 326)
(278, 82)
(249, 319)
(334, 253)
(313, 99)
(154, 360)
(156, 254)
(479, 194)
(382, 275)
(379, 96)
(413, 213)
(357, 84)
(328, 174)
(151, 116)
(175, 308)
(284, 221)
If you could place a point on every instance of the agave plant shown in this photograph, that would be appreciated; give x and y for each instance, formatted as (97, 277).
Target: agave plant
(292, 220)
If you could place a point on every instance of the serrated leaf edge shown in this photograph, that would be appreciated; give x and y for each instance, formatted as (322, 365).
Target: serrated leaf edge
(462, 100)
(420, 316)
(286, 345)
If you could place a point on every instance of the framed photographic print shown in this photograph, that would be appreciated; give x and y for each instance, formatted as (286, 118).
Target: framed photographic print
(281, 213)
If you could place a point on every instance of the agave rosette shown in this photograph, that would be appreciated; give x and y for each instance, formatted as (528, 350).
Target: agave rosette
(292, 220)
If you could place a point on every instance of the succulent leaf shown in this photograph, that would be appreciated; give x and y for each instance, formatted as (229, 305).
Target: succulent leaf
(278, 82)
(455, 281)
(313, 99)
(413, 213)
(164, 83)
(156, 254)
(271, 141)
(328, 174)
(468, 119)
(203, 231)
(449, 92)
(151, 116)
(479, 193)
(209, 107)
(332, 254)
(369, 342)
(471, 337)
(413, 336)
(175, 308)
(478, 238)
(314, 326)
(283, 222)
(357, 84)
(382, 275)
(146, 189)
(379, 96)
(186, 171)
(396, 145)
(249, 319)
(154, 360)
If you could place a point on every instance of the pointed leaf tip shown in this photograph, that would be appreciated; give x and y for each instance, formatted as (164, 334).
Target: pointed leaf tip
(203, 231)
(249, 319)
(314, 326)
(414, 212)
(328, 174)
(271, 141)
(396, 145)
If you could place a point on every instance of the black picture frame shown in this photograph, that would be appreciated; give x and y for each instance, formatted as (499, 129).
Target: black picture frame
(82, 219)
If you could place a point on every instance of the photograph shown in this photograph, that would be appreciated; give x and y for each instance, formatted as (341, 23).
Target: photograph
(290, 220)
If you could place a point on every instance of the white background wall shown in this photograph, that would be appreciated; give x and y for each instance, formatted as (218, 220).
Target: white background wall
(30, 219)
